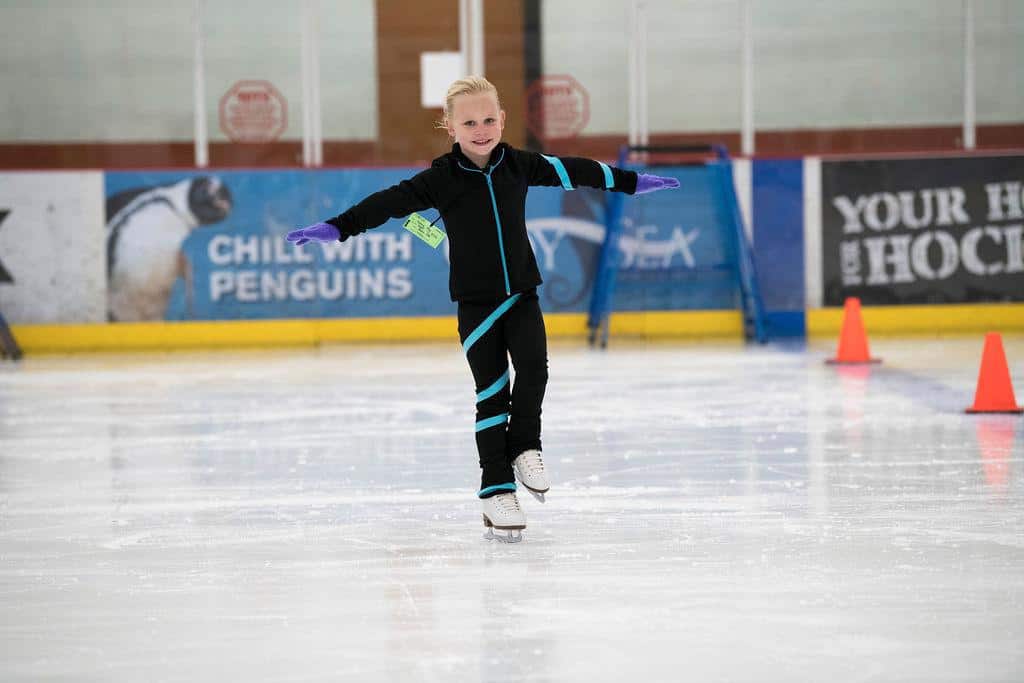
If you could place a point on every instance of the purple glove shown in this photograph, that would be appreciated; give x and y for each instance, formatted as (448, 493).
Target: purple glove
(321, 232)
(651, 183)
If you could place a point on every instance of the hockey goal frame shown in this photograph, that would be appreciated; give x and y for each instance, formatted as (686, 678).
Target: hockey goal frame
(716, 159)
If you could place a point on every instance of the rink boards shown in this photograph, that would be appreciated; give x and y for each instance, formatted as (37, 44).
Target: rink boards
(195, 258)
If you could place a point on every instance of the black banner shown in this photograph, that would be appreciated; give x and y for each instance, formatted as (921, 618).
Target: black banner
(923, 231)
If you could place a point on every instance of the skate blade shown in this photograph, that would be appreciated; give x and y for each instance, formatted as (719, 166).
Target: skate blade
(511, 536)
(506, 535)
(536, 493)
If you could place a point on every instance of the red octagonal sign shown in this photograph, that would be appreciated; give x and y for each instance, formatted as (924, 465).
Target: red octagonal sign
(253, 111)
(557, 107)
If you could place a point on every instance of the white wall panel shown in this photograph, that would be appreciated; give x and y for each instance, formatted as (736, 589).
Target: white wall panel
(105, 70)
(52, 245)
(817, 64)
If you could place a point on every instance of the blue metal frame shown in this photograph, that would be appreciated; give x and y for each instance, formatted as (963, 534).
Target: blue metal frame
(754, 327)
(607, 265)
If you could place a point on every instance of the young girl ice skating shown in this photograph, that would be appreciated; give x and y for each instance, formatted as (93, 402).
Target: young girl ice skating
(480, 188)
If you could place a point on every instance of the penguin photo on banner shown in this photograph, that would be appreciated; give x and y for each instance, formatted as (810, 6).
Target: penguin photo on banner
(146, 228)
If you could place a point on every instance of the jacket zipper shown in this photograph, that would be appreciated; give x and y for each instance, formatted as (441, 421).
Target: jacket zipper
(497, 219)
(501, 242)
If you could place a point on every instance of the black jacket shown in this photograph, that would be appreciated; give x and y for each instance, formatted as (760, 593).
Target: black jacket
(483, 212)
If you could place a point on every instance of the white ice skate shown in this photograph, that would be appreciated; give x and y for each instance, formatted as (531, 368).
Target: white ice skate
(530, 471)
(502, 512)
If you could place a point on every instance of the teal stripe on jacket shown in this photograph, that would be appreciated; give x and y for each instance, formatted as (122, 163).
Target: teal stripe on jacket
(563, 175)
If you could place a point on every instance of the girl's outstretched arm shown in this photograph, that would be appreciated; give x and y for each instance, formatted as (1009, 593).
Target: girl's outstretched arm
(573, 172)
(397, 201)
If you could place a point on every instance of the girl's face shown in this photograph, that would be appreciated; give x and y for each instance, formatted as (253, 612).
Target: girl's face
(476, 123)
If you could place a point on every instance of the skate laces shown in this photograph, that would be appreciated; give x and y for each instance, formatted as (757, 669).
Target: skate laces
(532, 461)
(508, 502)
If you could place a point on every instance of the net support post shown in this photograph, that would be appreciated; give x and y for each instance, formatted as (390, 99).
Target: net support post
(201, 147)
(747, 78)
(969, 99)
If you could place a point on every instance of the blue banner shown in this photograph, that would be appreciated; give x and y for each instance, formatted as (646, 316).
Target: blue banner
(209, 245)
(677, 249)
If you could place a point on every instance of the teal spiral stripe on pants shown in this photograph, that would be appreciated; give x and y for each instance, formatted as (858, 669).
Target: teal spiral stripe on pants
(488, 323)
(494, 388)
(502, 338)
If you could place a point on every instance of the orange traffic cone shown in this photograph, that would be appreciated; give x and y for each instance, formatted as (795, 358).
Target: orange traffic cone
(853, 340)
(995, 391)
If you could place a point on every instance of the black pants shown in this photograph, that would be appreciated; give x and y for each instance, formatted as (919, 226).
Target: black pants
(507, 419)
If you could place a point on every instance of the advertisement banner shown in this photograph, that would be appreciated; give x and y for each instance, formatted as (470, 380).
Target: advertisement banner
(923, 231)
(678, 249)
(51, 248)
(210, 246)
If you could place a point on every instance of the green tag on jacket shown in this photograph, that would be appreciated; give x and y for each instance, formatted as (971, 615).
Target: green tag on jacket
(421, 227)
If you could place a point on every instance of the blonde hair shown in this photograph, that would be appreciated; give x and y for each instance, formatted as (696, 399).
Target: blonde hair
(470, 85)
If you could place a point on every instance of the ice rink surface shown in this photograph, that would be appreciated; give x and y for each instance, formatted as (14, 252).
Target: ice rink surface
(718, 513)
